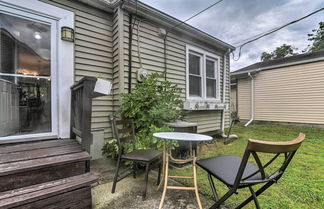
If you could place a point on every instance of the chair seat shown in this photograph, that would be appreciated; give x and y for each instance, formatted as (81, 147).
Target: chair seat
(142, 155)
(225, 168)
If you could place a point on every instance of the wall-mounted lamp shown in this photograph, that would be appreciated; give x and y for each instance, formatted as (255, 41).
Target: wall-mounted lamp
(37, 35)
(67, 34)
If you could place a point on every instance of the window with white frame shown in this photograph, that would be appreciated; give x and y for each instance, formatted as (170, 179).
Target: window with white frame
(202, 75)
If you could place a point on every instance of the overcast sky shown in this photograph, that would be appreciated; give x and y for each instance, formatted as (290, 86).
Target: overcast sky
(235, 20)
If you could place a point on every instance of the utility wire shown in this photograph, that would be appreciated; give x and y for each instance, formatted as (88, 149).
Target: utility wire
(272, 31)
(195, 15)
(257, 35)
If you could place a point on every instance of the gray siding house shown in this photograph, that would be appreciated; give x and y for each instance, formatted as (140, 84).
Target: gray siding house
(109, 34)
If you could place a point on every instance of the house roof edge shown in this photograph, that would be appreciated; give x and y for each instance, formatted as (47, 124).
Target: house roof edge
(283, 62)
(169, 21)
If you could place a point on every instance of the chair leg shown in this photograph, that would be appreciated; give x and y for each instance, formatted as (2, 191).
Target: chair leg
(212, 185)
(257, 193)
(146, 180)
(134, 170)
(256, 202)
(116, 176)
(222, 199)
(159, 173)
(87, 166)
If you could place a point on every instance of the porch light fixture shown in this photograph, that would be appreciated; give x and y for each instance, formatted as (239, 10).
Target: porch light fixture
(37, 35)
(67, 34)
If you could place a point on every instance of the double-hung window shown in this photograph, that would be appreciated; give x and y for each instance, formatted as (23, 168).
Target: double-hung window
(202, 75)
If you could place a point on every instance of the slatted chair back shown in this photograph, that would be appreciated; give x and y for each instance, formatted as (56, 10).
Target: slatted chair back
(287, 149)
(124, 132)
(81, 107)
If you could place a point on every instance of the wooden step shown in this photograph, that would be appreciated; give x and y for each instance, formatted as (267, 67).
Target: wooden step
(32, 163)
(72, 192)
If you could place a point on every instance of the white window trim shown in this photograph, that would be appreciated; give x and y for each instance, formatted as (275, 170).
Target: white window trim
(64, 65)
(205, 55)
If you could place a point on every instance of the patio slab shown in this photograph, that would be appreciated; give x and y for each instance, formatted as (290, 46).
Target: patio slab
(129, 190)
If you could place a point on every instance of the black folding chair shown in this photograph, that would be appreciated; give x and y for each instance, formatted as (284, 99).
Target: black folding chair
(237, 173)
(123, 131)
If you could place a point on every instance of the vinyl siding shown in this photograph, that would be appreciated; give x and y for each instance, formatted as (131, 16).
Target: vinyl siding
(244, 98)
(152, 54)
(93, 53)
(233, 98)
(288, 94)
(291, 94)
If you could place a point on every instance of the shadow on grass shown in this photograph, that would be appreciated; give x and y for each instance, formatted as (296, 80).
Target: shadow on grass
(302, 184)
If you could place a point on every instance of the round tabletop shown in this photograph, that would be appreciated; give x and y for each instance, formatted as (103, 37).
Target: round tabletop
(181, 136)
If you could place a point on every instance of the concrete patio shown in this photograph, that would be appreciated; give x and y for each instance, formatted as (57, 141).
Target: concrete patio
(128, 193)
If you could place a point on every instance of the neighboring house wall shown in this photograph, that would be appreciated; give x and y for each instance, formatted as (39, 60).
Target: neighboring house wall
(287, 94)
(244, 98)
(93, 53)
(233, 98)
(152, 54)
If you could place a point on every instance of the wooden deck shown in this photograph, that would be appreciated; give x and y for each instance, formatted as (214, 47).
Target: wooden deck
(46, 173)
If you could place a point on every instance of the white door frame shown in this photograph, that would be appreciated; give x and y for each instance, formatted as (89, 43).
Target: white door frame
(62, 62)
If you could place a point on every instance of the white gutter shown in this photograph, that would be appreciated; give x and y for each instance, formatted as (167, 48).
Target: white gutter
(252, 100)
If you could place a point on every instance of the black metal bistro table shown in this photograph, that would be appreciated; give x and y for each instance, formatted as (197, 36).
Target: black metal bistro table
(180, 136)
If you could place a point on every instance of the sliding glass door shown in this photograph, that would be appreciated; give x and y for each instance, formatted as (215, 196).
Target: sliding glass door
(28, 103)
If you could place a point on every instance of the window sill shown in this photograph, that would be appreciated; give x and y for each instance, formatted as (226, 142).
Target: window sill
(204, 105)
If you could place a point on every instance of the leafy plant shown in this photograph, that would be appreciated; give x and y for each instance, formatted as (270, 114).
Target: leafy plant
(280, 52)
(146, 141)
(317, 38)
(110, 148)
(152, 103)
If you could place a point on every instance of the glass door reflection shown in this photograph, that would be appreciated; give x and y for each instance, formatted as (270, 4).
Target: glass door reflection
(25, 76)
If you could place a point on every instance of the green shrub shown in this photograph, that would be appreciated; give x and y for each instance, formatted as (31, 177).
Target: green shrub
(152, 103)
(110, 148)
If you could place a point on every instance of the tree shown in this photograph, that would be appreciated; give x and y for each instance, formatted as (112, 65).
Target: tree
(317, 37)
(266, 56)
(280, 52)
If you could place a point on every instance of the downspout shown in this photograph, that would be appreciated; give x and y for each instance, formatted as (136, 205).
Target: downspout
(130, 39)
(252, 100)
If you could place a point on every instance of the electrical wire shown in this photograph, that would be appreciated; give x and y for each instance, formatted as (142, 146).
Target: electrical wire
(247, 39)
(135, 18)
(272, 31)
(195, 15)
(138, 43)
(177, 25)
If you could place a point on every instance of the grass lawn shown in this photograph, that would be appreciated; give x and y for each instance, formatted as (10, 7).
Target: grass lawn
(302, 185)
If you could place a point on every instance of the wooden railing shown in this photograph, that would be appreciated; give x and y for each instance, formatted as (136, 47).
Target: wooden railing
(81, 107)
